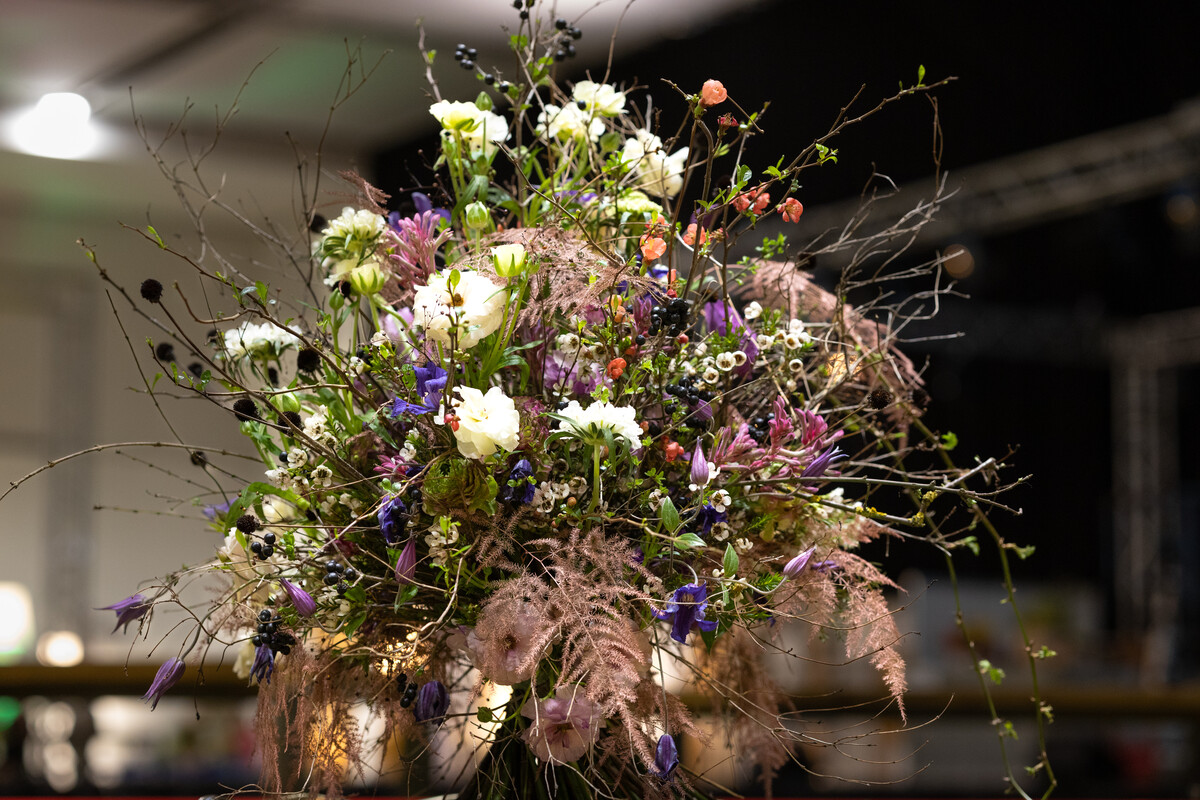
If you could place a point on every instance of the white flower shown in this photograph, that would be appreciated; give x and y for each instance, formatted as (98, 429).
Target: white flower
(796, 325)
(475, 308)
(569, 122)
(763, 341)
(485, 422)
(720, 500)
(795, 365)
(726, 362)
(357, 365)
(721, 531)
(297, 457)
(752, 311)
(655, 499)
(790, 385)
(481, 130)
(600, 98)
(711, 375)
(792, 341)
(739, 357)
(355, 225)
(743, 544)
(621, 420)
(700, 349)
(657, 173)
(322, 476)
(249, 339)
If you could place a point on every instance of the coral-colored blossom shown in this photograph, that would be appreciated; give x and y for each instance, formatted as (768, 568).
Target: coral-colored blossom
(653, 247)
(616, 368)
(755, 201)
(712, 93)
(791, 209)
(689, 236)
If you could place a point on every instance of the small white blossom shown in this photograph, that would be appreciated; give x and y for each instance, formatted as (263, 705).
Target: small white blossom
(720, 500)
(764, 341)
(486, 422)
(700, 349)
(600, 98)
(790, 385)
(792, 341)
(796, 325)
(726, 362)
(795, 365)
(711, 375)
(739, 357)
(743, 544)
(322, 476)
(721, 531)
(357, 365)
(297, 457)
(752, 311)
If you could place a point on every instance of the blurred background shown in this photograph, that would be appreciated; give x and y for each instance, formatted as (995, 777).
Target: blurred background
(1071, 141)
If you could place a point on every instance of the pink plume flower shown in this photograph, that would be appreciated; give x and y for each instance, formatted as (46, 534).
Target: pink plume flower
(564, 726)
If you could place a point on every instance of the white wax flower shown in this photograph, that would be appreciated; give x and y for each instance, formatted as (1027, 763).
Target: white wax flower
(475, 308)
(486, 422)
(570, 122)
(599, 98)
(250, 339)
(657, 173)
(480, 129)
(621, 420)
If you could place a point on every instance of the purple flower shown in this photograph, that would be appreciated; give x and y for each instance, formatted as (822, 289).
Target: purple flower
(406, 564)
(431, 382)
(168, 675)
(686, 609)
(709, 516)
(216, 512)
(264, 663)
(302, 600)
(749, 346)
(666, 756)
(519, 489)
(131, 608)
(822, 462)
(721, 317)
(699, 466)
(393, 519)
(432, 702)
(402, 406)
(564, 726)
(424, 205)
(781, 424)
(797, 564)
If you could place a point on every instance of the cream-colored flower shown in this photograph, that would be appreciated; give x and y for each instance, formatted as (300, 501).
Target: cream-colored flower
(657, 173)
(479, 129)
(621, 420)
(752, 311)
(569, 122)
(249, 339)
(474, 309)
(599, 98)
(486, 422)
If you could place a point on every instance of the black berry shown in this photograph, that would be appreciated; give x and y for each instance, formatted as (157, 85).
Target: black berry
(152, 290)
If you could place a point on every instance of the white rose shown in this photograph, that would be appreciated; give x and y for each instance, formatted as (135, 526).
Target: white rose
(621, 420)
(570, 122)
(600, 98)
(474, 309)
(485, 422)
(481, 130)
(658, 173)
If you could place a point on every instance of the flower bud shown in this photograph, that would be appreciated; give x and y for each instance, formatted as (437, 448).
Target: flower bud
(367, 279)
(301, 600)
(406, 564)
(700, 474)
(797, 564)
(286, 402)
(477, 217)
(509, 259)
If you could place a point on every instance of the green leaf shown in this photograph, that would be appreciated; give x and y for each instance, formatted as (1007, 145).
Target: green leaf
(484, 714)
(991, 670)
(949, 440)
(669, 516)
(1024, 552)
(688, 541)
(921, 75)
(353, 623)
(731, 562)
(157, 238)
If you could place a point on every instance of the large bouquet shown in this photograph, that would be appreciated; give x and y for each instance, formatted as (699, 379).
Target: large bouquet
(550, 439)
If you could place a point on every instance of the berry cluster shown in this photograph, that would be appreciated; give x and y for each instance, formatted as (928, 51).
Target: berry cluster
(465, 56)
(248, 524)
(339, 576)
(673, 317)
(568, 34)
(408, 691)
(760, 427)
(270, 635)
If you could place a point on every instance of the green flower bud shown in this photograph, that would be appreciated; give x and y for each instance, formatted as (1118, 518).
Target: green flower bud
(509, 259)
(367, 279)
(286, 402)
(478, 217)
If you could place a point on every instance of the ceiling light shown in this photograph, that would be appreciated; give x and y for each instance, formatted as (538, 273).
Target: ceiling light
(60, 649)
(59, 126)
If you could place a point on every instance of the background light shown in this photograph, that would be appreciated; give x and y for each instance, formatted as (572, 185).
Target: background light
(59, 126)
(16, 621)
(60, 649)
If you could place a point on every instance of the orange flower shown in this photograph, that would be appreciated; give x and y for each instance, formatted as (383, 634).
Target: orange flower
(689, 236)
(712, 93)
(653, 247)
(791, 209)
(616, 368)
(756, 201)
(673, 449)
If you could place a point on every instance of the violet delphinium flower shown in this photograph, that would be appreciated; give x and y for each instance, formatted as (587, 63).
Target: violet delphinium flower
(564, 726)
(709, 516)
(131, 608)
(393, 519)
(686, 611)
(666, 756)
(431, 382)
(797, 564)
(432, 702)
(302, 600)
(519, 489)
(264, 663)
(402, 406)
(823, 462)
(168, 675)
(406, 563)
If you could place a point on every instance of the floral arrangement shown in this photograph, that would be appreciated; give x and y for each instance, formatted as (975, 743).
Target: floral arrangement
(553, 435)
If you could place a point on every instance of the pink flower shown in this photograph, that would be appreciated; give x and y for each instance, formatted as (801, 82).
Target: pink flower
(755, 200)
(564, 726)
(791, 209)
(653, 247)
(712, 93)
(505, 651)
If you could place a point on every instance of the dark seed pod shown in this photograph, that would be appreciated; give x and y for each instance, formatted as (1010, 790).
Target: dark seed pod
(248, 523)
(165, 351)
(294, 418)
(264, 615)
(152, 290)
(308, 359)
(245, 409)
(880, 398)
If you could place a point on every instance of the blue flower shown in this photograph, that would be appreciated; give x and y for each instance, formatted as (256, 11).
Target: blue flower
(431, 382)
(264, 663)
(686, 609)
(432, 702)
(823, 462)
(393, 519)
(709, 516)
(666, 756)
(519, 488)
(131, 608)
(402, 406)
(168, 675)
